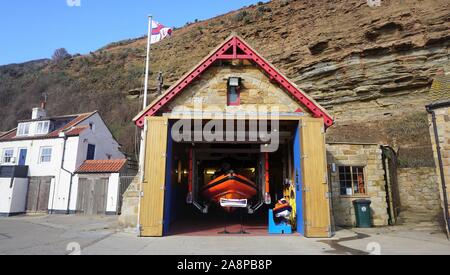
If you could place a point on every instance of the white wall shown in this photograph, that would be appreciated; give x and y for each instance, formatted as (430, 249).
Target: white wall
(58, 192)
(13, 199)
(113, 193)
(5, 195)
(74, 194)
(75, 155)
(101, 137)
(19, 196)
(32, 161)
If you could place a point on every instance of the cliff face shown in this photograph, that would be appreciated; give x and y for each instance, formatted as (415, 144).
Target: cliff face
(371, 67)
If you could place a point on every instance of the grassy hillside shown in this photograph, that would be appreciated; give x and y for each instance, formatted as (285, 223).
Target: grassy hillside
(371, 67)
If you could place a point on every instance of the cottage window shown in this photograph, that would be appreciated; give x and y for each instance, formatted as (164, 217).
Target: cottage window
(234, 94)
(351, 180)
(7, 155)
(90, 152)
(23, 129)
(42, 127)
(46, 155)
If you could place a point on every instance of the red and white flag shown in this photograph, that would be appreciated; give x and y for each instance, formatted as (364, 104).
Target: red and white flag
(159, 32)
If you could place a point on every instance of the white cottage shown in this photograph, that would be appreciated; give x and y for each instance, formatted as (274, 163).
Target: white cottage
(39, 159)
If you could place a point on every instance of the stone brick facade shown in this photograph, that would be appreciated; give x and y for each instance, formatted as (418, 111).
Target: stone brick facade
(368, 156)
(257, 90)
(419, 191)
(130, 205)
(442, 114)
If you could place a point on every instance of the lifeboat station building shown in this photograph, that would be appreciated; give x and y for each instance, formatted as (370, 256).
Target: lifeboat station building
(233, 111)
(235, 146)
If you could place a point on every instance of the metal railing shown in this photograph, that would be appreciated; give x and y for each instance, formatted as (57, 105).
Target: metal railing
(13, 171)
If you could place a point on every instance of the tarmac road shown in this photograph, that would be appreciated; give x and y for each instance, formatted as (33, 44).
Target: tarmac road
(62, 235)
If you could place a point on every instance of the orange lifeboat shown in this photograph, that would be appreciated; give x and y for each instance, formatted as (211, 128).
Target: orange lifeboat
(229, 186)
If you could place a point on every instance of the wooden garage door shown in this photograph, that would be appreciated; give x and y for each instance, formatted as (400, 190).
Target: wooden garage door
(152, 203)
(38, 194)
(317, 220)
(92, 196)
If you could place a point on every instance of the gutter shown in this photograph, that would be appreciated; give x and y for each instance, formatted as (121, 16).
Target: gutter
(430, 110)
(437, 105)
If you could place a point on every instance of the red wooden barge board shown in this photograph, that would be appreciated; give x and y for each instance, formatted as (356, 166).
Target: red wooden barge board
(220, 54)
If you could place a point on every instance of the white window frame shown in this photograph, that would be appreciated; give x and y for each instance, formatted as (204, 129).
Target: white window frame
(10, 157)
(41, 151)
(22, 127)
(42, 127)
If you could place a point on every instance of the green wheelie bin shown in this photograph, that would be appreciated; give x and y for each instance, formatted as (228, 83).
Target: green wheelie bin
(363, 213)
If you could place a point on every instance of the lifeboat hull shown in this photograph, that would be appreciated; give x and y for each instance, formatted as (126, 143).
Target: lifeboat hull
(229, 186)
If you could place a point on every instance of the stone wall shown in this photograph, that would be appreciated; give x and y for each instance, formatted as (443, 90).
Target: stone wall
(419, 191)
(257, 90)
(443, 129)
(130, 205)
(368, 156)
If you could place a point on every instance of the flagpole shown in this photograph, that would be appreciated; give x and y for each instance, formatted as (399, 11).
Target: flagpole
(147, 63)
(144, 131)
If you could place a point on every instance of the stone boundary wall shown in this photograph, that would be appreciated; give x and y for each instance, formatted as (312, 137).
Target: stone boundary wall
(443, 128)
(130, 205)
(419, 191)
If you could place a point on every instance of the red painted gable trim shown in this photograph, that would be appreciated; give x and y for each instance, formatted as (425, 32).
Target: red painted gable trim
(221, 54)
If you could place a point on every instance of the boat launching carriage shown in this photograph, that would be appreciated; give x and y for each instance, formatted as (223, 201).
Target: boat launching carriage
(231, 186)
(231, 183)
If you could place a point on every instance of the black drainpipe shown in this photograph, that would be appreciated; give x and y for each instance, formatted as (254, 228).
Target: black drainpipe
(71, 174)
(430, 109)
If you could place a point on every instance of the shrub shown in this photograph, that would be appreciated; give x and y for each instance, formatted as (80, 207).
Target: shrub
(240, 16)
(284, 3)
(265, 9)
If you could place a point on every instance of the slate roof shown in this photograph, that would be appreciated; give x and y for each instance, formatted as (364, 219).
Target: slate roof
(70, 128)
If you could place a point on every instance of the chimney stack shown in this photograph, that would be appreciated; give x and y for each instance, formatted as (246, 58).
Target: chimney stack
(43, 100)
(40, 112)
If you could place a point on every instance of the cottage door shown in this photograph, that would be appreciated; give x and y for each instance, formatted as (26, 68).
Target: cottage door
(152, 201)
(22, 157)
(100, 195)
(82, 186)
(316, 198)
(92, 196)
(38, 194)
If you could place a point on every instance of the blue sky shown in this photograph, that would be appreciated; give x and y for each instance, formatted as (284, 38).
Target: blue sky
(33, 29)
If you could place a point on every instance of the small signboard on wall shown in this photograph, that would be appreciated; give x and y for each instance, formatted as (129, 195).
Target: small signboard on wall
(349, 191)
